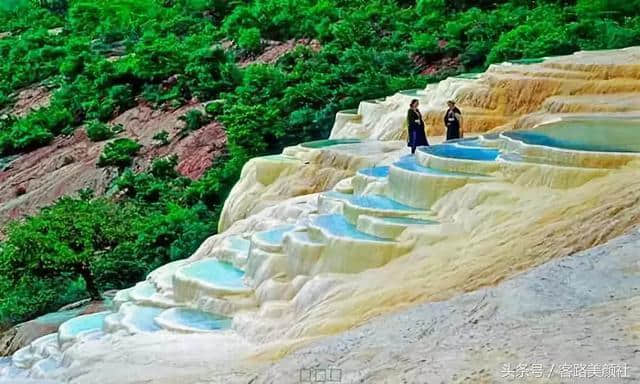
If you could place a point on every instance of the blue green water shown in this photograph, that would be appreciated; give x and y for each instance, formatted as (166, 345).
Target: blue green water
(216, 273)
(337, 225)
(329, 142)
(409, 163)
(144, 290)
(379, 172)
(240, 244)
(610, 135)
(85, 323)
(274, 236)
(472, 143)
(409, 221)
(371, 201)
(59, 317)
(380, 202)
(142, 318)
(462, 152)
(200, 320)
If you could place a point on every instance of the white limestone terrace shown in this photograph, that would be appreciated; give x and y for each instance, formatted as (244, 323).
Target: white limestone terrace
(332, 232)
(290, 264)
(579, 311)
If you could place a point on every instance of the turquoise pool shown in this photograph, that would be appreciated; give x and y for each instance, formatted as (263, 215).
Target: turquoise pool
(329, 142)
(216, 273)
(462, 152)
(602, 135)
(337, 225)
(194, 319)
(378, 172)
(273, 236)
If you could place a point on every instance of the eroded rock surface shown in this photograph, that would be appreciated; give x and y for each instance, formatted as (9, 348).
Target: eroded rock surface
(68, 164)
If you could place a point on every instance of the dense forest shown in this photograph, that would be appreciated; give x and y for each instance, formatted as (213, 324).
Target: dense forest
(101, 57)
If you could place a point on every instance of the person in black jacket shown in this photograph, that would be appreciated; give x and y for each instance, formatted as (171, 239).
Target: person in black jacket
(417, 135)
(453, 121)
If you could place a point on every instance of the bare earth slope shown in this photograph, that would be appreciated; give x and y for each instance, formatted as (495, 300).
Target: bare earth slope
(68, 164)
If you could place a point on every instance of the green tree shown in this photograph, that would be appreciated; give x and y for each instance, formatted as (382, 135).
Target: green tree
(64, 242)
(119, 153)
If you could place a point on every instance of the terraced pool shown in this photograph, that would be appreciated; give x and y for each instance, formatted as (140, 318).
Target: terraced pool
(462, 152)
(612, 135)
(328, 143)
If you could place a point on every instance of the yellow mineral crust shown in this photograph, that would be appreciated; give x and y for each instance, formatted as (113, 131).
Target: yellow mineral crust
(594, 81)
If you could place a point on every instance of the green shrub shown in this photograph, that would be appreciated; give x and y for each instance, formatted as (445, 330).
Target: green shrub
(164, 168)
(98, 131)
(425, 44)
(249, 39)
(193, 120)
(214, 109)
(162, 138)
(119, 153)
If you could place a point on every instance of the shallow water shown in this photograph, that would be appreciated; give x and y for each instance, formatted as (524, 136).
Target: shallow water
(612, 135)
(337, 225)
(142, 318)
(215, 272)
(85, 323)
(409, 163)
(329, 142)
(462, 152)
(274, 236)
(375, 171)
(195, 319)
(409, 220)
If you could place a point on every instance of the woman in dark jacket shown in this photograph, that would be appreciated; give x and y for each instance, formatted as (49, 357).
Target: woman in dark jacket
(453, 121)
(417, 135)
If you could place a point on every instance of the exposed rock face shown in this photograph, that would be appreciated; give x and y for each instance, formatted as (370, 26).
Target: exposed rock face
(68, 164)
(195, 151)
(276, 49)
(31, 99)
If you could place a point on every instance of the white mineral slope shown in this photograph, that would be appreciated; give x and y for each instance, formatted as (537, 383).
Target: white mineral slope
(505, 95)
(583, 309)
(266, 181)
(160, 358)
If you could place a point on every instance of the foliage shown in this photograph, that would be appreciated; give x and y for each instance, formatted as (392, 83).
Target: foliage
(61, 244)
(119, 153)
(162, 138)
(98, 131)
(193, 120)
(249, 39)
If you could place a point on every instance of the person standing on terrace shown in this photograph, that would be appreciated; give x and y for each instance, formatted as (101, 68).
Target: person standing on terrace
(417, 135)
(453, 121)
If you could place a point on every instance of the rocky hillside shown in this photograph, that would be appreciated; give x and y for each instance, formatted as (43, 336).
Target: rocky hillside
(38, 178)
